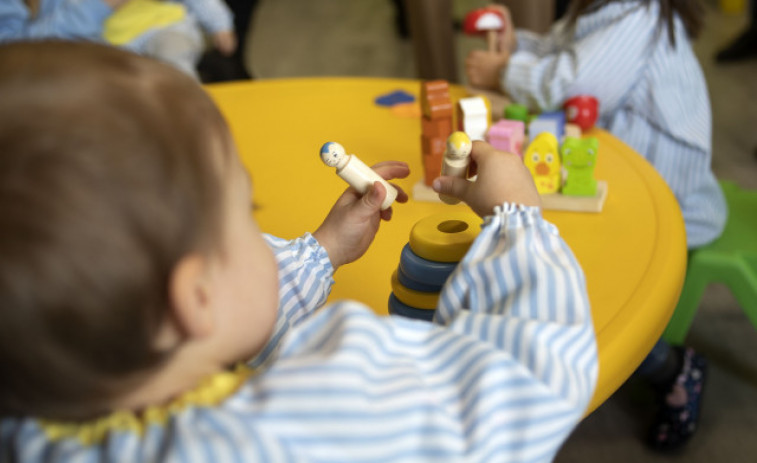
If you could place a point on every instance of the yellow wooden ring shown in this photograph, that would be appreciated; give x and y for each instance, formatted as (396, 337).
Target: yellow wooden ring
(445, 237)
(416, 299)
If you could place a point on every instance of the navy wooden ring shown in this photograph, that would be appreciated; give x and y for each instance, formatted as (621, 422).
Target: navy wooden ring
(398, 308)
(424, 271)
(416, 285)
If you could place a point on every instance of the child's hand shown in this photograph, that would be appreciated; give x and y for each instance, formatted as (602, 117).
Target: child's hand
(502, 177)
(352, 223)
(225, 42)
(484, 68)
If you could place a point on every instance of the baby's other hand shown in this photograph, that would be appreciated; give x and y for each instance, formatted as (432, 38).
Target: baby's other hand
(502, 177)
(353, 221)
(484, 68)
(225, 42)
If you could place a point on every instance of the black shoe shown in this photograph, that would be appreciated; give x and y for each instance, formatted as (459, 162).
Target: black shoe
(680, 405)
(745, 46)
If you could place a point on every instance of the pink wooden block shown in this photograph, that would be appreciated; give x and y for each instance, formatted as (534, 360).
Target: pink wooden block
(507, 135)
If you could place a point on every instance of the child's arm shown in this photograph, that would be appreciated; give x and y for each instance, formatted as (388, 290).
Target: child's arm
(505, 373)
(216, 18)
(605, 62)
(307, 264)
(70, 19)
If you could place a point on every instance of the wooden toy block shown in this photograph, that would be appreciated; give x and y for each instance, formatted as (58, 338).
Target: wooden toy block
(440, 127)
(542, 158)
(579, 157)
(435, 99)
(561, 202)
(485, 21)
(433, 146)
(507, 135)
(472, 117)
(582, 110)
(559, 118)
(516, 112)
(445, 237)
(353, 171)
(456, 159)
(572, 130)
(432, 167)
(542, 125)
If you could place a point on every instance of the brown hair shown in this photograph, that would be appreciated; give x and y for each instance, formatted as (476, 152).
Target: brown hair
(108, 176)
(691, 13)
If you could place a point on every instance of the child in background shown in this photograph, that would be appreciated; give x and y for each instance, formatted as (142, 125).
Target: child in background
(635, 57)
(171, 31)
(135, 283)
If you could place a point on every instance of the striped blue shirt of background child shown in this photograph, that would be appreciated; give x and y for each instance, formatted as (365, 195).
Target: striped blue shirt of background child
(652, 95)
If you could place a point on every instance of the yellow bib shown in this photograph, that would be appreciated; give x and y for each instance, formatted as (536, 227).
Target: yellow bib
(138, 16)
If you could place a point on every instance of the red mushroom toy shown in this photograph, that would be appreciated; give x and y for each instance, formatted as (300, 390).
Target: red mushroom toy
(484, 21)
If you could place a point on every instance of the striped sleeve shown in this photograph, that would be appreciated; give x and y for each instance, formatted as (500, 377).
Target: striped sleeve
(605, 61)
(526, 295)
(305, 281)
(67, 19)
(503, 374)
(213, 15)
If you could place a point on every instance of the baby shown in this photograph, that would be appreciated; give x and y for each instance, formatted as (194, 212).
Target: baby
(145, 317)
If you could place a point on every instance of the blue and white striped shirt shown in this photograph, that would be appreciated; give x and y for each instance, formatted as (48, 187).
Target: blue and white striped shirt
(652, 95)
(505, 380)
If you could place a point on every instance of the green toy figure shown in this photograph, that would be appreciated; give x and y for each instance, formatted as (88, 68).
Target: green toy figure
(579, 157)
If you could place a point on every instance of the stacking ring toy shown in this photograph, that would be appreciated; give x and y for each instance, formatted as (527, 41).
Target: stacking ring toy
(416, 285)
(416, 299)
(424, 271)
(445, 237)
(398, 308)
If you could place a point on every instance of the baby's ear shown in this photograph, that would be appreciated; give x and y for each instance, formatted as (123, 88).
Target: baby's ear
(190, 297)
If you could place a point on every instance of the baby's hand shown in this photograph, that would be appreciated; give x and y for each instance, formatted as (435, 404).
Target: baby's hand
(352, 223)
(225, 42)
(502, 177)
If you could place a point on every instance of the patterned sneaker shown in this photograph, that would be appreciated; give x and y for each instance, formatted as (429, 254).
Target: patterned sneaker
(680, 404)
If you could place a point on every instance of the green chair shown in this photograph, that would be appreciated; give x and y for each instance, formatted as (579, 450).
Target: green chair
(731, 260)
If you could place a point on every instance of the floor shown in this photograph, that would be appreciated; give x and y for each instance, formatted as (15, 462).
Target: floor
(358, 38)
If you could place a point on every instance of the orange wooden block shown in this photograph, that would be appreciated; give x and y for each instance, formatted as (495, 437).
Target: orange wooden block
(435, 100)
(432, 167)
(441, 127)
(433, 146)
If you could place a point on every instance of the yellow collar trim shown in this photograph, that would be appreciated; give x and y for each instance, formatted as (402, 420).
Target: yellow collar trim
(210, 392)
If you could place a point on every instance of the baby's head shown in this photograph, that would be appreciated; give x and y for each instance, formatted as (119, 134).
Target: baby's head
(126, 240)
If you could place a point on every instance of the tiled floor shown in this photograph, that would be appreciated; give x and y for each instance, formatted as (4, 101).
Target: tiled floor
(357, 38)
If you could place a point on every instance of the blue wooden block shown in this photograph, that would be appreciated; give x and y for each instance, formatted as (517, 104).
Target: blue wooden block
(394, 98)
(552, 122)
(424, 271)
(398, 308)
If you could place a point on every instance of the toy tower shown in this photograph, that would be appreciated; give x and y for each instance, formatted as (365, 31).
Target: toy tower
(436, 126)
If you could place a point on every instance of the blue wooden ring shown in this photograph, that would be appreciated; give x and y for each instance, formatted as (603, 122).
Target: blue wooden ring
(416, 285)
(424, 271)
(398, 308)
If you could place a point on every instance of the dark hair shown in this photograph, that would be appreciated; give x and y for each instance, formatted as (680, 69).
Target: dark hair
(109, 174)
(691, 13)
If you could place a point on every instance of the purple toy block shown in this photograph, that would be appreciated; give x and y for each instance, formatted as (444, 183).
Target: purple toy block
(507, 135)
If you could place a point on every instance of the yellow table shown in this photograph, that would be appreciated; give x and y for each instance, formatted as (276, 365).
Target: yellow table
(633, 253)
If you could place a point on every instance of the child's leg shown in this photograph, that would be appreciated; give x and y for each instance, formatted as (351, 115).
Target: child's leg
(179, 44)
(677, 374)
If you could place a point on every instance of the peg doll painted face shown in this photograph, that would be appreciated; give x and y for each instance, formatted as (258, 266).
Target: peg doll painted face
(333, 154)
